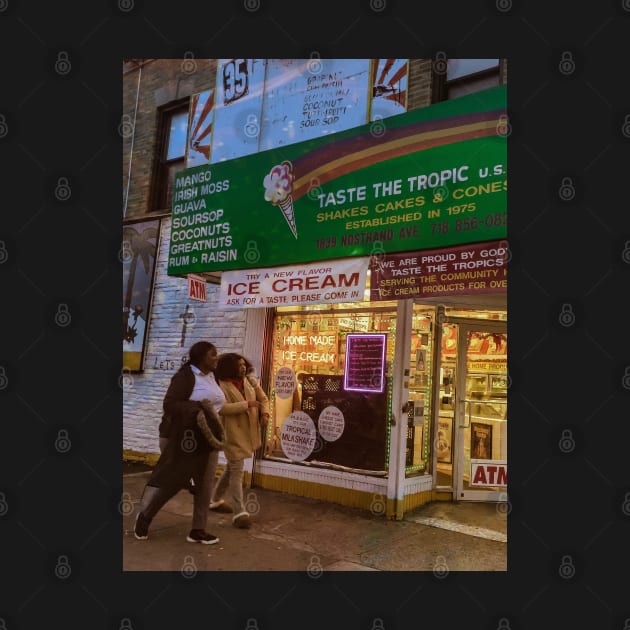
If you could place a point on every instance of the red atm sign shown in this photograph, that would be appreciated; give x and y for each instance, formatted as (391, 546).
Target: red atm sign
(196, 288)
(487, 472)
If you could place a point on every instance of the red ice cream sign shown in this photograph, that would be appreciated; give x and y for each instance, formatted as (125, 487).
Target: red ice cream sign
(476, 268)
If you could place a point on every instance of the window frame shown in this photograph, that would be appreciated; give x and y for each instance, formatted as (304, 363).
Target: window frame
(441, 85)
(162, 166)
(302, 313)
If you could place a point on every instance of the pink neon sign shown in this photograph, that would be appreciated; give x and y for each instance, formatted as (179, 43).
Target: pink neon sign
(365, 363)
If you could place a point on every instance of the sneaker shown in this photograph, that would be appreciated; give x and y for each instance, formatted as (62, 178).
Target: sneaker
(141, 528)
(242, 521)
(200, 536)
(220, 506)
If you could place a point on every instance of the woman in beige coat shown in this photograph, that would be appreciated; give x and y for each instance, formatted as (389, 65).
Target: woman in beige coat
(246, 411)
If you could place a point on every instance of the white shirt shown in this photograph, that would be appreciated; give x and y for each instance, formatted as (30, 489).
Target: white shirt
(206, 387)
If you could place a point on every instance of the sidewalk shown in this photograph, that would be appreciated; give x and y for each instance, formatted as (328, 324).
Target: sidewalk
(291, 533)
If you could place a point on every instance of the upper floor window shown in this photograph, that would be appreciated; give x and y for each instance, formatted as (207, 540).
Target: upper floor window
(171, 154)
(465, 76)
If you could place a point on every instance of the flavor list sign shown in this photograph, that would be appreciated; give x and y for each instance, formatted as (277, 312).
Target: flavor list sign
(306, 98)
(335, 281)
(433, 177)
(365, 362)
(477, 268)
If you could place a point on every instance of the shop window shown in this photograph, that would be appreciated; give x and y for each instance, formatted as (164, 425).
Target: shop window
(352, 424)
(171, 154)
(466, 76)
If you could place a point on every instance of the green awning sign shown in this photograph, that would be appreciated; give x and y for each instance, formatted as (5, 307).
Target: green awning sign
(429, 178)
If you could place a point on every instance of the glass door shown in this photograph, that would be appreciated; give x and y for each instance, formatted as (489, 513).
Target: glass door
(445, 446)
(481, 412)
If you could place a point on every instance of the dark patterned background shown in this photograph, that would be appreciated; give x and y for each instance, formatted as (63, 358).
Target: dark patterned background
(60, 237)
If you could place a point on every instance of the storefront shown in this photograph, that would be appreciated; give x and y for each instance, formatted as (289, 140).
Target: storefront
(449, 363)
(373, 266)
(383, 404)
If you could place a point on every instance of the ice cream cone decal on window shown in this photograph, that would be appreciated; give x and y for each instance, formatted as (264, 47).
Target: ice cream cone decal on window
(278, 186)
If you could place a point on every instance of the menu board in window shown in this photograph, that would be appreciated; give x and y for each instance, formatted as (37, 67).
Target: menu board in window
(365, 363)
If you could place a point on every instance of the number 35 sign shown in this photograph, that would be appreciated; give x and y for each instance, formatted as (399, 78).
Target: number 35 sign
(238, 108)
(235, 79)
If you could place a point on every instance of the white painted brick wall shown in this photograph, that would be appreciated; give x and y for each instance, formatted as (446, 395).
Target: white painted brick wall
(142, 399)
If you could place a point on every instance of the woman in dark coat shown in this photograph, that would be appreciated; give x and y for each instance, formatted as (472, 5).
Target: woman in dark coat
(194, 437)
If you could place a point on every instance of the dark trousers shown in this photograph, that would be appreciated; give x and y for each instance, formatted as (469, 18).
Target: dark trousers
(153, 498)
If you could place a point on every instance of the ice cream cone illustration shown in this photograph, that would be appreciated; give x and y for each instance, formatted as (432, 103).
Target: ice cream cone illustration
(286, 205)
(278, 186)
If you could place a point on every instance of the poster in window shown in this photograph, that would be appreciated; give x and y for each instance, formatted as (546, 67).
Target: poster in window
(139, 251)
(237, 108)
(389, 87)
(498, 384)
(480, 440)
(200, 128)
(444, 440)
(365, 362)
(449, 342)
(418, 445)
(310, 98)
